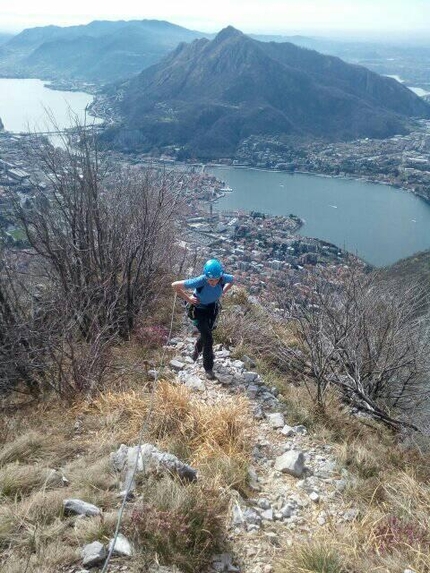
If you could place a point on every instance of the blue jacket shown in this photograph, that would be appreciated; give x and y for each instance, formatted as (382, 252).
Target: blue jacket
(206, 293)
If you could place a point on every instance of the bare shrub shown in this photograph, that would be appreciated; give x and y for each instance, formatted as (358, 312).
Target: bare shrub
(101, 238)
(366, 338)
(22, 344)
(103, 234)
(250, 328)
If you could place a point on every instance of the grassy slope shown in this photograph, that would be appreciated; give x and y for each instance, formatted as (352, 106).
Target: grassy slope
(415, 269)
(388, 484)
(76, 440)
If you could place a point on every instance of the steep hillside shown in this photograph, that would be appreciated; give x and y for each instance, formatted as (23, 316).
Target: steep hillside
(414, 270)
(99, 51)
(5, 37)
(209, 95)
(281, 486)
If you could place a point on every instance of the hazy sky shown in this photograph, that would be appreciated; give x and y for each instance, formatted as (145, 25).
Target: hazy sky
(267, 16)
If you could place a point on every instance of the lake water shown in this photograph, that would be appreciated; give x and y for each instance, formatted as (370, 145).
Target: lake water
(24, 104)
(380, 223)
(418, 91)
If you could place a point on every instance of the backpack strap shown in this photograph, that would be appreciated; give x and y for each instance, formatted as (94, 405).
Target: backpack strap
(199, 289)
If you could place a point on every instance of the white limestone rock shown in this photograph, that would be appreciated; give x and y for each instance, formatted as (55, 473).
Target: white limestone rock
(122, 547)
(79, 507)
(288, 431)
(176, 365)
(223, 563)
(93, 553)
(292, 463)
(276, 420)
(147, 459)
(267, 515)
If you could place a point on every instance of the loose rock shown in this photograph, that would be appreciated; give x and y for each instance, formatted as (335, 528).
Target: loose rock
(292, 463)
(122, 546)
(93, 553)
(276, 420)
(79, 507)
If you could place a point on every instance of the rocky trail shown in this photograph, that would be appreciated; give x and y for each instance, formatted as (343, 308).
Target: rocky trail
(295, 478)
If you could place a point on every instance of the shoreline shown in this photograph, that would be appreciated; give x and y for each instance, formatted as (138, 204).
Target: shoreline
(56, 84)
(362, 179)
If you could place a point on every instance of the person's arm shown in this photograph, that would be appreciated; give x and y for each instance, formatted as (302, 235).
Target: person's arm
(179, 288)
(227, 286)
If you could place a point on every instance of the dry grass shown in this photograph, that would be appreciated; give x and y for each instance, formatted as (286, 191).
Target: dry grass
(313, 557)
(389, 484)
(93, 529)
(43, 507)
(209, 431)
(51, 558)
(30, 525)
(354, 548)
(17, 481)
(214, 438)
(35, 446)
(184, 525)
(29, 447)
(92, 476)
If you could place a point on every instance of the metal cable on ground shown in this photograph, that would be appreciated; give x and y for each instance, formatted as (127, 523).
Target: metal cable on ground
(142, 432)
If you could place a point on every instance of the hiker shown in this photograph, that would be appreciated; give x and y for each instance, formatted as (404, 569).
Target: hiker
(204, 307)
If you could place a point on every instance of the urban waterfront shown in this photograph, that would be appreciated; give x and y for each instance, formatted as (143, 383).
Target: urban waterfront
(380, 223)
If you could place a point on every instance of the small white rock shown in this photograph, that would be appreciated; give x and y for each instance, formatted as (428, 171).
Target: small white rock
(267, 515)
(292, 462)
(176, 365)
(288, 431)
(93, 553)
(122, 546)
(276, 420)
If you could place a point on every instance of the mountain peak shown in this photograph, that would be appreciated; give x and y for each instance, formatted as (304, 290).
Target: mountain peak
(227, 33)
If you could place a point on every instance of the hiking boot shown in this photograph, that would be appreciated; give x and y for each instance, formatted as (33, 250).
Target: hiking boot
(195, 354)
(210, 375)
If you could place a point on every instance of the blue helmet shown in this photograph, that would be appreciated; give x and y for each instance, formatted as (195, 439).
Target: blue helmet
(213, 269)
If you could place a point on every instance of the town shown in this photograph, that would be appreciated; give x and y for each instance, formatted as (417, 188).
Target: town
(401, 161)
(255, 247)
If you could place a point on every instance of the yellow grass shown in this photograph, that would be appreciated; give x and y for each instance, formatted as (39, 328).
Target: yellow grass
(389, 484)
(19, 480)
(28, 447)
(177, 416)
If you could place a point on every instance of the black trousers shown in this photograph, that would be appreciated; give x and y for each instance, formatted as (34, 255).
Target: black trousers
(205, 320)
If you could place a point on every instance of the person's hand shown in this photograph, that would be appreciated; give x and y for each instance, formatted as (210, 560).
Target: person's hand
(193, 299)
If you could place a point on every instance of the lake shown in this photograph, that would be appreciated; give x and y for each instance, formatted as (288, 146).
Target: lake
(24, 104)
(379, 223)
